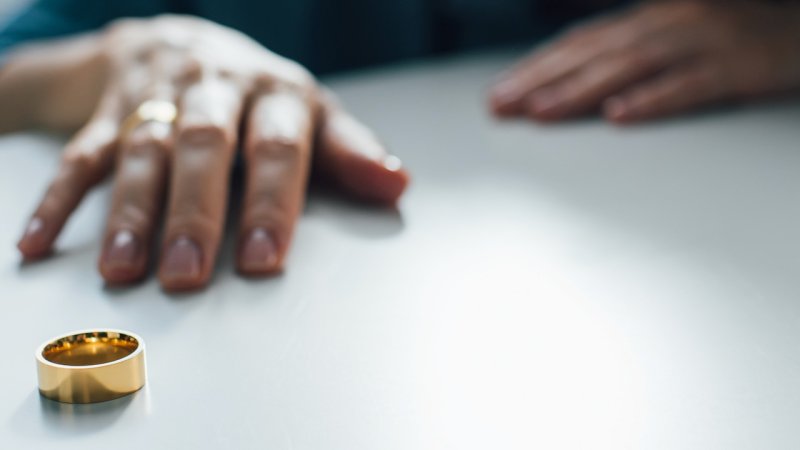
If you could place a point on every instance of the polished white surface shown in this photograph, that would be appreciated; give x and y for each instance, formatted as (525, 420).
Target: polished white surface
(569, 287)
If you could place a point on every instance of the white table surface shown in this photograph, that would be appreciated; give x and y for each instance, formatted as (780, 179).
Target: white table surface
(544, 287)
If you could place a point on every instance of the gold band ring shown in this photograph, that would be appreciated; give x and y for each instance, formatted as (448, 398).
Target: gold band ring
(159, 111)
(91, 366)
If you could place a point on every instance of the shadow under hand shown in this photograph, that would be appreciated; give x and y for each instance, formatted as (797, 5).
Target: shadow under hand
(357, 218)
(322, 200)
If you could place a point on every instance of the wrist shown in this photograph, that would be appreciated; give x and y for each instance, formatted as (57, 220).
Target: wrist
(76, 77)
(52, 85)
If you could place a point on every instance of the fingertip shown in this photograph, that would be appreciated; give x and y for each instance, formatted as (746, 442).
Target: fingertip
(122, 260)
(35, 242)
(356, 162)
(619, 111)
(397, 181)
(31, 253)
(615, 110)
(503, 100)
(381, 182)
(396, 176)
(545, 105)
(121, 276)
(259, 254)
(181, 266)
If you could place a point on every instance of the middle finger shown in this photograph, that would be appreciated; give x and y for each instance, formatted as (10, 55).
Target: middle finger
(204, 149)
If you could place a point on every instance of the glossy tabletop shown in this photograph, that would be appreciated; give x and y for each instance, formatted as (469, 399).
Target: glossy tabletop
(577, 286)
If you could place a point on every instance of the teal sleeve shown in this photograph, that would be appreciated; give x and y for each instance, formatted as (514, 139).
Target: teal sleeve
(48, 19)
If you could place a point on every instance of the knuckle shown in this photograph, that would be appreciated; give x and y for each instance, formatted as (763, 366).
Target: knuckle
(302, 84)
(265, 208)
(284, 74)
(263, 81)
(305, 80)
(150, 139)
(211, 135)
(292, 70)
(283, 148)
(63, 194)
(79, 160)
(227, 73)
(137, 217)
(145, 150)
(57, 193)
(146, 146)
(56, 200)
(190, 71)
(193, 221)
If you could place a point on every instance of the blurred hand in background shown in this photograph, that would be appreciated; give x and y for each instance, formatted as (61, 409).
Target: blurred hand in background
(657, 59)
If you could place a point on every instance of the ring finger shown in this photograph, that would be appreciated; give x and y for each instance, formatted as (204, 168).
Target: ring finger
(136, 205)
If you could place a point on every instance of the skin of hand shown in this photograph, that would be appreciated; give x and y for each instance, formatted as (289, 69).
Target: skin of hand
(657, 59)
(231, 94)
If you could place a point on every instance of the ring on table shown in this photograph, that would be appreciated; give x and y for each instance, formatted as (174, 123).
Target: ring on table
(91, 366)
(159, 111)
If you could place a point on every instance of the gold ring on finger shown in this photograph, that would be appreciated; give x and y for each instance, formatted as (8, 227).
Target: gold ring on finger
(159, 111)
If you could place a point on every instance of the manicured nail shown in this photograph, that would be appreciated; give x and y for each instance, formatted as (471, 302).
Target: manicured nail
(392, 163)
(123, 250)
(182, 259)
(258, 254)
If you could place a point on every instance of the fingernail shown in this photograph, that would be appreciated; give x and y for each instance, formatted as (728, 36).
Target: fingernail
(35, 227)
(392, 163)
(33, 242)
(545, 100)
(505, 91)
(182, 259)
(615, 108)
(123, 250)
(259, 253)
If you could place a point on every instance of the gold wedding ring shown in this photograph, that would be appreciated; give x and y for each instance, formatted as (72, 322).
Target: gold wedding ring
(91, 366)
(159, 111)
